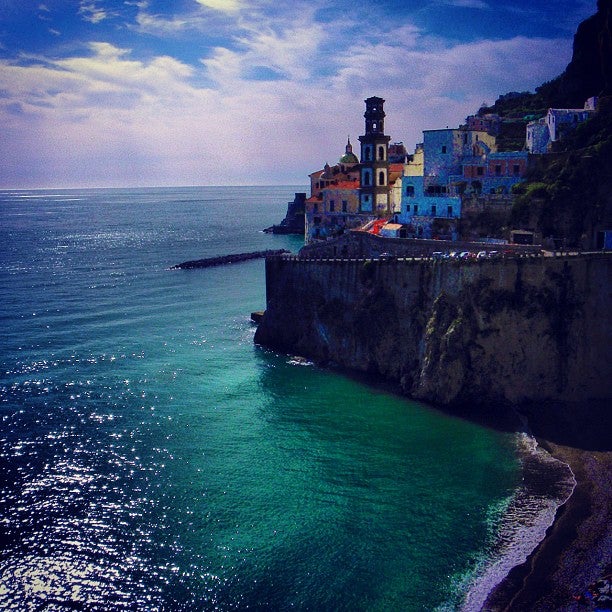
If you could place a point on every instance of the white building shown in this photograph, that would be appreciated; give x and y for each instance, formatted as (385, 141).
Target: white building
(555, 125)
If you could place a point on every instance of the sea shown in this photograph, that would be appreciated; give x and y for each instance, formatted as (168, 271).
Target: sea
(152, 457)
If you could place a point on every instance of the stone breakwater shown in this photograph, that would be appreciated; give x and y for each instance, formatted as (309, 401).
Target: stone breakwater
(509, 331)
(221, 260)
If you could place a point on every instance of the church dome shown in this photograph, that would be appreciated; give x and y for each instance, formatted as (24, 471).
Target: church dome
(349, 157)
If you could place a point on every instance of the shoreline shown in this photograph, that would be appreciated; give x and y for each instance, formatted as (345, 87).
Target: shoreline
(577, 548)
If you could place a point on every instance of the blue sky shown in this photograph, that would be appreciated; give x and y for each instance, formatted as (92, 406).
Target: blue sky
(226, 92)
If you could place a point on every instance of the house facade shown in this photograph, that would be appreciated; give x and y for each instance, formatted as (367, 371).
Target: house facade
(433, 180)
(334, 211)
(540, 134)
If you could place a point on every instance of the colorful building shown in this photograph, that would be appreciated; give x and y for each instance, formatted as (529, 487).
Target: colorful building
(540, 134)
(447, 170)
(333, 205)
(493, 173)
(336, 210)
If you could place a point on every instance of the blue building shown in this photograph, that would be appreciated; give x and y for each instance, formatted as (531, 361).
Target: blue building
(420, 209)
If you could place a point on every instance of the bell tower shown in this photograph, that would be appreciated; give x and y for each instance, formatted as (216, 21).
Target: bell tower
(374, 177)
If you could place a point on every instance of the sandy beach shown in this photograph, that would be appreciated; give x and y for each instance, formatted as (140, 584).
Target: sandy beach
(577, 549)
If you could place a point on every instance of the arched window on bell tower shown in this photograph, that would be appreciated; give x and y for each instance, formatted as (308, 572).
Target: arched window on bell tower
(381, 178)
(381, 153)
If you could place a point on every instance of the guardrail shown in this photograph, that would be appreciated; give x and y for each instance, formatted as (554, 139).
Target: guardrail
(441, 260)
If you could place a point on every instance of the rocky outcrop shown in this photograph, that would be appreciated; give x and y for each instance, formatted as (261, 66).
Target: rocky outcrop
(590, 71)
(511, 331)
(295, 219)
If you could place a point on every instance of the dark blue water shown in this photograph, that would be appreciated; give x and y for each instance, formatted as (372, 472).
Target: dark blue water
(152, 458)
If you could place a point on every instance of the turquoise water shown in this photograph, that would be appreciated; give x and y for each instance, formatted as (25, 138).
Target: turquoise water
(153, 458)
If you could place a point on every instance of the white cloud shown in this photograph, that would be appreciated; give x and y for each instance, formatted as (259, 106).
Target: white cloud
(90, 12)
(225, 6)
(105, 117)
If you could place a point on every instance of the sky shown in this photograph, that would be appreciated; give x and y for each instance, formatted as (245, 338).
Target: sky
(122, 93)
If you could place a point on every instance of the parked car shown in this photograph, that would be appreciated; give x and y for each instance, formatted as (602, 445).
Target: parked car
(494, 254)
(464, 255)
(437, 255)
(481, 255)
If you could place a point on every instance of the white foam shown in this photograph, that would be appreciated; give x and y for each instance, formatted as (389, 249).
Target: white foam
(523, 525)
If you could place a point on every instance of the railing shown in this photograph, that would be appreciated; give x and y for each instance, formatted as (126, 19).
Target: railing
(440, 259)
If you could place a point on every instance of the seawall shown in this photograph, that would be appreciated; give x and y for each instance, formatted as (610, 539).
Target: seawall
(510, 331)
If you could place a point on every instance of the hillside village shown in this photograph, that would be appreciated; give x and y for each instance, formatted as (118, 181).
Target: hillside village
(532, 169)
(459, 183)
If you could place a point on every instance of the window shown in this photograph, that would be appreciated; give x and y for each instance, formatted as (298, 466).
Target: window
(479, 171)
(433, 210)
(344, 205)
(410, 191)
(315, 207)
(497, 170)
(366, 178)
(381, 152)
(444, 149)
(465, 138)
(367, 153)
(416, 209)
(332, 206)
(449, 211)
(381, 178)
(516, 170)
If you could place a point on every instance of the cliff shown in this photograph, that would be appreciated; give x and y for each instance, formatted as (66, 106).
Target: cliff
(588, 74)
(568, 193)
(484, 333)
(294, 221)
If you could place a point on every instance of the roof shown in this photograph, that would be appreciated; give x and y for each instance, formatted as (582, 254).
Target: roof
(344, 185)
(349, 158)
(377, 226)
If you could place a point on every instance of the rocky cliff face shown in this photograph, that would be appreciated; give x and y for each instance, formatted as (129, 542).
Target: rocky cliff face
(492, 332)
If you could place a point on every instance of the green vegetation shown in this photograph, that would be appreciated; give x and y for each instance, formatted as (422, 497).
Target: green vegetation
(568, 195)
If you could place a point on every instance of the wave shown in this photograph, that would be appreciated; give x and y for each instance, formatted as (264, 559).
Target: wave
(519, 523)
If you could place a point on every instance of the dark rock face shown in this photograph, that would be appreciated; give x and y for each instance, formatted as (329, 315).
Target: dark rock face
(590, 71)
(588, 74)
(294, 221)
(491, 333)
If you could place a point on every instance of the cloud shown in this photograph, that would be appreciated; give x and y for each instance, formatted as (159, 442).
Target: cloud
(90, 12)
(225, 6)
(107, 117)
(221, 20)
